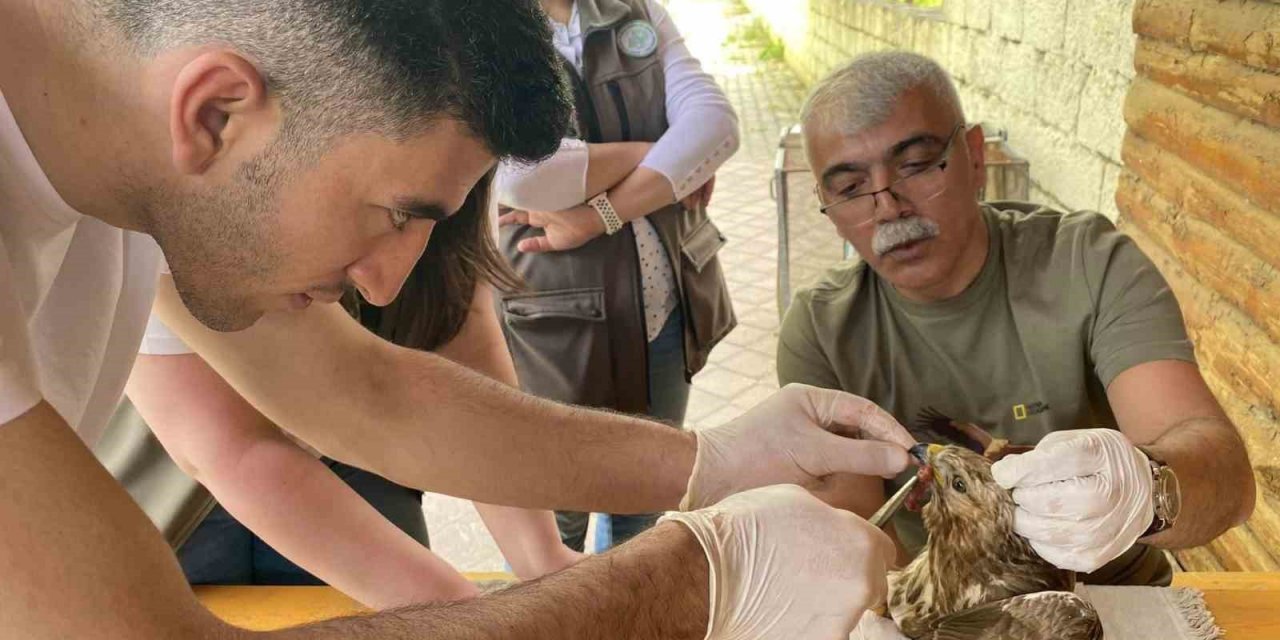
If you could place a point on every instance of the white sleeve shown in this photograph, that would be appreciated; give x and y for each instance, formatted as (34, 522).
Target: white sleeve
(702, 128)
(160, 340)
(19, 386)
(559, 182)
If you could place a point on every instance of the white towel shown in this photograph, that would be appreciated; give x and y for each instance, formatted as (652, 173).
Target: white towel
(1138, 613)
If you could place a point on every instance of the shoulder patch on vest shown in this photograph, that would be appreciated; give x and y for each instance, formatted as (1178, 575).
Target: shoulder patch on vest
(638, 39)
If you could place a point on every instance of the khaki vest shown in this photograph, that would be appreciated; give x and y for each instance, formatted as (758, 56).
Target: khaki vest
(577, 334)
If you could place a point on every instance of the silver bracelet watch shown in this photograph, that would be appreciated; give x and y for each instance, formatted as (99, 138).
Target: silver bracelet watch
(1166, 495)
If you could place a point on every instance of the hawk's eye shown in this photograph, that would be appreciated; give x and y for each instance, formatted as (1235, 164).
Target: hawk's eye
(958, 485)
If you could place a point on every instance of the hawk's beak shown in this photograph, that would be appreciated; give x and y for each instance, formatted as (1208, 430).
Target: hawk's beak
(920, 454)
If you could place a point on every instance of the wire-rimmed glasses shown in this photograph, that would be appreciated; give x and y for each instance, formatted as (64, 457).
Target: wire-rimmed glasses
(914, 181)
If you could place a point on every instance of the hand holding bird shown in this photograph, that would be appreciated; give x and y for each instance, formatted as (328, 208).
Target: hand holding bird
(1083, 497)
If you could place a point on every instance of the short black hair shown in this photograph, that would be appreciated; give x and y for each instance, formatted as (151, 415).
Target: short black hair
(387, 66)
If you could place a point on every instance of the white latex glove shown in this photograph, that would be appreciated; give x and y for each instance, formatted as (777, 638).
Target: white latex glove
(874, 626)
(791, 439)
(786, 565)
(1084, 497)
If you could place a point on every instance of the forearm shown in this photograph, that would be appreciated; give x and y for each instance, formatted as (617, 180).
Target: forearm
(490, 443)
(302, 509)
(611, 162)
(281, 492)
(641, 193)
(654, 587)
(577, 172)
(1215, 477)
(424, 422)
(528, 539)
(79, 559)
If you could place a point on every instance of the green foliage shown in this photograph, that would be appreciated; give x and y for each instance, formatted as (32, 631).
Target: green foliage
(755, 34)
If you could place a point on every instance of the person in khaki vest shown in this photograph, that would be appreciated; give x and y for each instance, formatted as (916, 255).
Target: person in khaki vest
(274, 153)
(626, 296)
(1040, 326)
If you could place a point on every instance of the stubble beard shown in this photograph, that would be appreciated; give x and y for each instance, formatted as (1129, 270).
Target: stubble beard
(222, 246)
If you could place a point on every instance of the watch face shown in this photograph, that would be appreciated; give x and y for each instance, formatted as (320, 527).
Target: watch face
(1171, 494)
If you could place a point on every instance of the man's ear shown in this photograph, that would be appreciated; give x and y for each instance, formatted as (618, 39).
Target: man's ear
(976, 140)
(215, 95)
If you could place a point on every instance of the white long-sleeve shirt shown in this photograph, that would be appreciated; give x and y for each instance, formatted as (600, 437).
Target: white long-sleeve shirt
(702, 129)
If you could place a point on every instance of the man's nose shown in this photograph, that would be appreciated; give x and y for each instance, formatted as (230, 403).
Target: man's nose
(381, 273)
(889, 205)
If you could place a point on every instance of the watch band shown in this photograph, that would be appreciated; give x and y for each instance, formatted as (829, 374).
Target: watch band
(612, 223)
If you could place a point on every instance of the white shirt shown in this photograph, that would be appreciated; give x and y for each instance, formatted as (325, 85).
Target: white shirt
(75, 294)
(702, 133)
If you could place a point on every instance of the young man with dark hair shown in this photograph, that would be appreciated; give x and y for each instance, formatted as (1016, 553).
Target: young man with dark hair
(278, 152)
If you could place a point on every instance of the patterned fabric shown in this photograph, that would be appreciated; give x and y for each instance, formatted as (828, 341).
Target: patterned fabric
(657, 279)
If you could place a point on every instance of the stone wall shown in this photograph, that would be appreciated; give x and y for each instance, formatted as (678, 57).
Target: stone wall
(1201, 193)
(1050, 72)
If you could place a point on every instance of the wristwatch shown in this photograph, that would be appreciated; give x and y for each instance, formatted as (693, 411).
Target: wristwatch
(612, 223)
(1166, 495)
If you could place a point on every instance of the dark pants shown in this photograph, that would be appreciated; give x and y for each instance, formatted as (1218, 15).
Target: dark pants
(668, 399)
(223, 551)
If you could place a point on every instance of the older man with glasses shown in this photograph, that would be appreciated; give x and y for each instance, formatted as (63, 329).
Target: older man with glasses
(1040, 326)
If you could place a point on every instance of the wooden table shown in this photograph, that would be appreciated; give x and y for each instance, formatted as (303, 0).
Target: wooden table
(1246, 605)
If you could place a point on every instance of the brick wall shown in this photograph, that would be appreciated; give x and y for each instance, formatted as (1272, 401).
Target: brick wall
(1052, 73)
(1201, 193)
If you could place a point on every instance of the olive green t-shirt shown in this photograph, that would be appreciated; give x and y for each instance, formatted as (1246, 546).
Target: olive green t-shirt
(1063, 305)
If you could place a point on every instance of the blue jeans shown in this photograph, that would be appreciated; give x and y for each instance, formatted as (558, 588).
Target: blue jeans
(668, 400)
(223, 551)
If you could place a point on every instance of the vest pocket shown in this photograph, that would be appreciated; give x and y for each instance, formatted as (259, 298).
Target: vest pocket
(702, 244)
(708, 310)
(559, 342)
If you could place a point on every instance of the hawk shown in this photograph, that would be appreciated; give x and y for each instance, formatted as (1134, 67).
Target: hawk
(976, 579)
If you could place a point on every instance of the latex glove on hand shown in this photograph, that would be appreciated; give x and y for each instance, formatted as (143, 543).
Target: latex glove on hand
(874, 626)
(785, 565)
(797, 436)
(1084, 496)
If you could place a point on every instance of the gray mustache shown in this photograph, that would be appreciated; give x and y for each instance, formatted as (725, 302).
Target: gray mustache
(895, 233)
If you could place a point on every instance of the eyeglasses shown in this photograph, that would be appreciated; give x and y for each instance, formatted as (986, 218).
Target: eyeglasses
(914, 181)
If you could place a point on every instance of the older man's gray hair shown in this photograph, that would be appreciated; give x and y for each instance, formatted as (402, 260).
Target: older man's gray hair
(862, 94)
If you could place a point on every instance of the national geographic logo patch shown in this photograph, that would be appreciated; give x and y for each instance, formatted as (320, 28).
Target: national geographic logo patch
(1024, 411)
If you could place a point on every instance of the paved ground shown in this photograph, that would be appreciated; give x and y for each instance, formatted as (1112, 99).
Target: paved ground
(741, 372)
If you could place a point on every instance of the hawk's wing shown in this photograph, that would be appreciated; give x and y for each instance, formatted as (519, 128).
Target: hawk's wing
(1048, 615)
